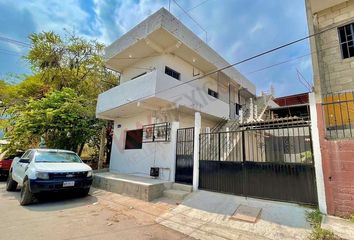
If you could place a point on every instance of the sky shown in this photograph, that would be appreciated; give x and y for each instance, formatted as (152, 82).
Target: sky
(236, 29)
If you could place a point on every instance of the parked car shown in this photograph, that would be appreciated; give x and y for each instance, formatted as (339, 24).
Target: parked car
(48, 170)
(6, 161)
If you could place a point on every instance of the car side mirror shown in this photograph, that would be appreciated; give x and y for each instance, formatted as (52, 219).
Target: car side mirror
(24, 160)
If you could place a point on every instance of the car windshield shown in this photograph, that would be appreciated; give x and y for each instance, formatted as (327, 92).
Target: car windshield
(65, 157)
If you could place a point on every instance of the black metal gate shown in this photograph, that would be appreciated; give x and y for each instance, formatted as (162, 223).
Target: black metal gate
(184, 155)
(269, 162)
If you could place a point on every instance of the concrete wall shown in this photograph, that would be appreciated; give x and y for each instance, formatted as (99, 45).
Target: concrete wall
(336, 74)
(332, 74)
(181, 66)
(162, 155)
(338, 171)
(139, 161)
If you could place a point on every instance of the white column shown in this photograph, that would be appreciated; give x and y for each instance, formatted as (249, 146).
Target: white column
(317, 157)
(197, 125)
(174, 128)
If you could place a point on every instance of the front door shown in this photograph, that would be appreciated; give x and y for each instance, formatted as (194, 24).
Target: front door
(184, 156)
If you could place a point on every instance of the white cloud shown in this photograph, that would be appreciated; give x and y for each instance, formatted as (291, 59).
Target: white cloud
(305, 64)
(258, 26)
(55, 15)
(114, 18)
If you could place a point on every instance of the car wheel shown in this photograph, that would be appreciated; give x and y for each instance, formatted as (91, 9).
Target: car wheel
(11, 185)
(26, 195)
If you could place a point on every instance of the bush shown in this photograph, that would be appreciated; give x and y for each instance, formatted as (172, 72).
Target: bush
(322, 234)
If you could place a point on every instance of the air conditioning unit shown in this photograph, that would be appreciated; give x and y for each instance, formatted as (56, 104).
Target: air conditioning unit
(154, 172)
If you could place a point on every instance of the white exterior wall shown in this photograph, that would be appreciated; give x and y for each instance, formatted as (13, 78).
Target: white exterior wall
(139, 161)
(175, 63)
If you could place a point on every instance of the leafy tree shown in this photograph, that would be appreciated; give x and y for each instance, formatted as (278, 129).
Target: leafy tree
(58, 101)
(71, 62)
(63, 118)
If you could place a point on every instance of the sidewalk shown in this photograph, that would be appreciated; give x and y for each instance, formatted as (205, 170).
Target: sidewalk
(339, 226)
(206, 215)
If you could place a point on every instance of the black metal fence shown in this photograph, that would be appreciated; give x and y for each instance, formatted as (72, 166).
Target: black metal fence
(338, 110)
(184, 155)
(263, 161)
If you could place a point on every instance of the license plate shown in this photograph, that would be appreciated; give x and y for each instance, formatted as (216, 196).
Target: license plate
(69, 184)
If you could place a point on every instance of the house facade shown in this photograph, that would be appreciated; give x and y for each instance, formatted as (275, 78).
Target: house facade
(167, 73)
(332, 24)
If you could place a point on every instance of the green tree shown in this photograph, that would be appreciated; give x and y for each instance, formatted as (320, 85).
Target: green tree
(63, 118)
(58, 100)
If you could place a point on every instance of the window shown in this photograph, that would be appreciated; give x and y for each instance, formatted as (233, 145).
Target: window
(172, 73)
(158, 132)
(346, 40)
(238, 108)
(213, 93)
(142, 74)
(134, 139)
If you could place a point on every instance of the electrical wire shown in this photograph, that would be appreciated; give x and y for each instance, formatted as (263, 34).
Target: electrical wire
(15, 42)
(240, 62)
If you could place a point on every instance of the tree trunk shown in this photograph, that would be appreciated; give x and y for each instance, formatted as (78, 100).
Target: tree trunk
(82, 145)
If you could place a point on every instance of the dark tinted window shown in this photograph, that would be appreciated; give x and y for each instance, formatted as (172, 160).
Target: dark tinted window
(213, 93)
(346, 40)
(172, 73)
(134, 139)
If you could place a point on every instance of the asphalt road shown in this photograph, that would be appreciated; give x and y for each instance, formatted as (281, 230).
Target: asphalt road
(102, 215)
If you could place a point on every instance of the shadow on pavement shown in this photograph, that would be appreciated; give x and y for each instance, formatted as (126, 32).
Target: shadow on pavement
(55, 201)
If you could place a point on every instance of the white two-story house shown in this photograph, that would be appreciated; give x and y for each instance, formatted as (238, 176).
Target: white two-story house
(167, 73)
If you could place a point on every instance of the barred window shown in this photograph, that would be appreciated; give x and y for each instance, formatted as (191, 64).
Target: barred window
(172, 73)
(213, 93)
(346, 40)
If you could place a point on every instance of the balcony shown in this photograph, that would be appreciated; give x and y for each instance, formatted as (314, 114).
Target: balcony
(157, 91)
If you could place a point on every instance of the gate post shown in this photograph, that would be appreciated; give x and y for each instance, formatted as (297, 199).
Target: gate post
(317, 157)
(197, 126)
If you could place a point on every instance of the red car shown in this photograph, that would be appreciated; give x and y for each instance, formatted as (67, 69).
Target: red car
(5, 163)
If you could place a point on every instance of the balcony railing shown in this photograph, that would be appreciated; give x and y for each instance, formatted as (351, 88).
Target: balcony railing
(164, 88)
(338, 109)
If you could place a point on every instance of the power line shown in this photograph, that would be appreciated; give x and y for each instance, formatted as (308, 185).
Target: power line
(15, 42)
(286, 61)
(198, 5)
(206, 33)
(242, 61)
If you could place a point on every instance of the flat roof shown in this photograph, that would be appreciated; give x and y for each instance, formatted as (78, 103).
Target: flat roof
(188, 43)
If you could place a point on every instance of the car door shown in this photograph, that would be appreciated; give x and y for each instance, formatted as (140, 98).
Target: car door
(24, 166)
(18, 169)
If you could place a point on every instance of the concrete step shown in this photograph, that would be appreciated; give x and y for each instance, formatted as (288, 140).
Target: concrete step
(182, 187)
(175, 194)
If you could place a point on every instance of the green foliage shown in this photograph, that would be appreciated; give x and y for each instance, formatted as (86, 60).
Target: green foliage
(63, 118)
(322, 234)
(352, 218)
(306, 157)
(314, 217)
(318, 233)
(70, 61)
(58, 101)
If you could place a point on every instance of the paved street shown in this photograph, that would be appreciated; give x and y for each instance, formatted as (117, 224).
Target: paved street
(101, 216)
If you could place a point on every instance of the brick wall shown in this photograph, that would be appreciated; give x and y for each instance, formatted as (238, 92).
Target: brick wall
(336, 74)
(338, 171)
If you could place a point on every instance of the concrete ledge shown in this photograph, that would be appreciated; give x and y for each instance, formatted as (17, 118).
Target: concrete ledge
(146, 189)
(340, 227)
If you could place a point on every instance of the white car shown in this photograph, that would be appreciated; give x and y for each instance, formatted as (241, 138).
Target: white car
(48, 170)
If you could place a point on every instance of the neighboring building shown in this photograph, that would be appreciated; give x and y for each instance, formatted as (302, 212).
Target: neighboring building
(291, 106)
(333, 64)
(162, 64)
